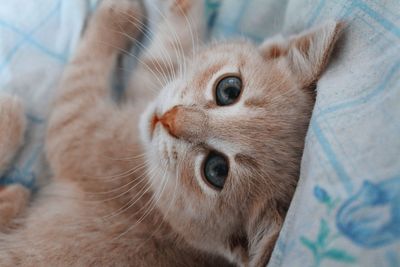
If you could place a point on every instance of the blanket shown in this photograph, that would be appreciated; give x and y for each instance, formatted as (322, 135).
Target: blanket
(345, 210)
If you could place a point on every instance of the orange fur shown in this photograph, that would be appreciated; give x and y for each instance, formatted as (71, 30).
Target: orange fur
(13, 198)
(126, 187)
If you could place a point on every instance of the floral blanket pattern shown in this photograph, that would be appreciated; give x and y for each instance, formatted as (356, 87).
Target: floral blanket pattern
(346, 209)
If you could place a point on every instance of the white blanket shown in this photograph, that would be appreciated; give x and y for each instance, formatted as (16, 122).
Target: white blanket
(36, 40)
(346, 208)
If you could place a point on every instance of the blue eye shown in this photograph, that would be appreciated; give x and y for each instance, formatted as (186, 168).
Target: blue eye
(228, 90)
(216, 169)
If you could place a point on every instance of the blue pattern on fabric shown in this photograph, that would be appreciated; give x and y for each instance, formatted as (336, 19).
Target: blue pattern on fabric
(371, 217)
(37, 38)
(345, 211)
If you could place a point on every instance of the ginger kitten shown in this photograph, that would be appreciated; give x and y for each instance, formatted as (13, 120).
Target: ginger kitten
(199, 166)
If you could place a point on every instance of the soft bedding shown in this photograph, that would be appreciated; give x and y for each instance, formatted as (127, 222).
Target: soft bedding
(36, 40)
(345, 211)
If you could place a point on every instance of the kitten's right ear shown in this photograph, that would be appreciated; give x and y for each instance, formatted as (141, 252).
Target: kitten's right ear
(307, 53)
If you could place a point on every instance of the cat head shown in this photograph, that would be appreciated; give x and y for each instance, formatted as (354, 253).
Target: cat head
(224, 140)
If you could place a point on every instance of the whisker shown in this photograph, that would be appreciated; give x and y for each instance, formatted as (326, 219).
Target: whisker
(172, 201)
(178, 52)
(154, 40)
(134, 200)
(111, 178)
(145, 214)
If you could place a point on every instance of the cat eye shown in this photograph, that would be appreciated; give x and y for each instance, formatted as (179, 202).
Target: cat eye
(215, 169)
(228, 90)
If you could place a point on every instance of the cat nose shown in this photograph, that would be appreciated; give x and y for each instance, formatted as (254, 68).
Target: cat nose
(168, 120)
(185, 122)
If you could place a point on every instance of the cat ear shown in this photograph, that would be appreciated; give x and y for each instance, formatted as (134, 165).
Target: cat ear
(307, 53)
(262, 232)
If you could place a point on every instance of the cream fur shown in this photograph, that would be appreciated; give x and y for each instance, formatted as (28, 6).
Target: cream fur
(13, 198)
(123, 195)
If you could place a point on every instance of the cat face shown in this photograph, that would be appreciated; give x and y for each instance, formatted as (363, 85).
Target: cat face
(224, 141)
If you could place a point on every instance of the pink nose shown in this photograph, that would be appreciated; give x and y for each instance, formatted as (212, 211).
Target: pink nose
(169, 121)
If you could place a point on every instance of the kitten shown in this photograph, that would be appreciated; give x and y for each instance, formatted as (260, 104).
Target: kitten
(200, 175)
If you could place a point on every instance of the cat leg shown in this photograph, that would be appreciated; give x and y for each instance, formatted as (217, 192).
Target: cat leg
(13, 198)
(178, 34)
(107, 35)
(12, 129)
(84, 114)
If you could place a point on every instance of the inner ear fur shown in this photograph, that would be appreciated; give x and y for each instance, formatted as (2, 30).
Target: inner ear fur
(307, 53)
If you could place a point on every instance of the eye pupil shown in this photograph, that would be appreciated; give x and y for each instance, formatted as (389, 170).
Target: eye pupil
(216, 169)
(228, 90)
(232, 92)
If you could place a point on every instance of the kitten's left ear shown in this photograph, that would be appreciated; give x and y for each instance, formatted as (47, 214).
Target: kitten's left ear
(262, 232)
(307, 53)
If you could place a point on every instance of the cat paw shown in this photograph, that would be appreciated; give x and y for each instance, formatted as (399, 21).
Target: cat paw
(11, 109)
(181, 7)
(117, 21)
(13, 200)
(122, 13)
(12, 125)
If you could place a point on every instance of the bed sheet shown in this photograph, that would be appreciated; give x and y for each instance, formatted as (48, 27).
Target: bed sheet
(345, 211)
